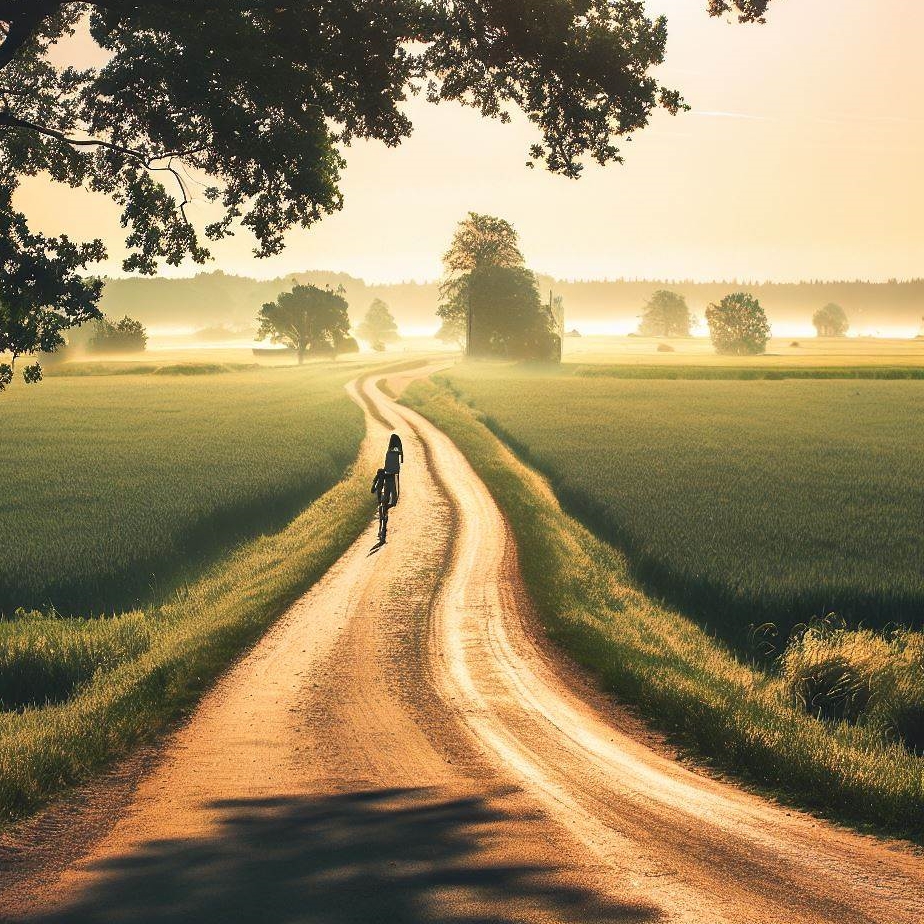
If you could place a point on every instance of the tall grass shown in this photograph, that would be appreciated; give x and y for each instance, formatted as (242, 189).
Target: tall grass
(742, 502)
(732, 714)
(859, 676)
(46, 658)
(117, 488)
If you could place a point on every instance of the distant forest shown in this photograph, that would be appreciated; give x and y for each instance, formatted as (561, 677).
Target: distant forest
(220, 299)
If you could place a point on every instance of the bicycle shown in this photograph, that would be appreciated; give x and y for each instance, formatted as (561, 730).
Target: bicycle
(383, 517)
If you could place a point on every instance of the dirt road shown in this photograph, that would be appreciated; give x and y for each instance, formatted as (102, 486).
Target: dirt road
(399, 748)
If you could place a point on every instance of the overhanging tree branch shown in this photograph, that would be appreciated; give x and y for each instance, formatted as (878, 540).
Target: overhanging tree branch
(148, 162)
(21, 20)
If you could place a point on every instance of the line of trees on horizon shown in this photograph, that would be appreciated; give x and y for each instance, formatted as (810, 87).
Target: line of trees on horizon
(666, 314)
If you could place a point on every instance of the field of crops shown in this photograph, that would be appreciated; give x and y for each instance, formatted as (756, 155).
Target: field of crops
(836, 724)
(742, 502)
(115, 488)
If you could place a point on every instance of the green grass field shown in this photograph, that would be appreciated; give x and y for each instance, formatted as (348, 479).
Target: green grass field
(108, 468)
(742, 502)
(733, 714)
(117, 487)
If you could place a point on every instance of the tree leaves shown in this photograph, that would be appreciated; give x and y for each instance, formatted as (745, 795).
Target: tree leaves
(489, 297)
(306, 319)
(248, 104)
(42, 292)
(738, 325)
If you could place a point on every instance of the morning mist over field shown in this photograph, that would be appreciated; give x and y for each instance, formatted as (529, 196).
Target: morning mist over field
(178, 306)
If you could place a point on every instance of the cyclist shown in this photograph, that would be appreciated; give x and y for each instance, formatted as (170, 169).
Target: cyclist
(384, 486)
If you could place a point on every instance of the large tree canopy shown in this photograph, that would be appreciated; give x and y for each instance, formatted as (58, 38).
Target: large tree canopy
(249, 103)
(307, 319)
(489, 298)
(479, 242)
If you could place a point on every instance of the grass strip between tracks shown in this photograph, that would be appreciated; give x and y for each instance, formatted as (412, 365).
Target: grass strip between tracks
(194, 637)
(734, 716)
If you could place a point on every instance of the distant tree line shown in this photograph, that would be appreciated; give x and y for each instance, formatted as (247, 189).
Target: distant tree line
(220, 298)
(738, 324)
(125, 336)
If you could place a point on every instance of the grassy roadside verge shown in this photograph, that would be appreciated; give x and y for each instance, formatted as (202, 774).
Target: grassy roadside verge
(725, 712)
(754, 373)
(192, 638)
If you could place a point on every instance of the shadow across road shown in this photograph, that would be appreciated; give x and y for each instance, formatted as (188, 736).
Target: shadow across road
(390, 856)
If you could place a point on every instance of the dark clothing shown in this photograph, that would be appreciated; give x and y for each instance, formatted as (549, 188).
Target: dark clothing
(393, 461)
(385, 486)
(394, 457)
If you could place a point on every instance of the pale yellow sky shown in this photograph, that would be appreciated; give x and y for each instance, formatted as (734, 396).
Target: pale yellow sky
(800, 159)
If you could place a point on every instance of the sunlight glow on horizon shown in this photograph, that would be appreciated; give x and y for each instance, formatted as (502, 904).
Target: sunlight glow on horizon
(800, 160)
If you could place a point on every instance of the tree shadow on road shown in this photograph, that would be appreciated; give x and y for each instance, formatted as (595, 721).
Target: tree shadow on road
(390, 856)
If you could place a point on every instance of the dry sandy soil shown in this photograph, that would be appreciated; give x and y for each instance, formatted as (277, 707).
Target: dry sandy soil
(401, 747)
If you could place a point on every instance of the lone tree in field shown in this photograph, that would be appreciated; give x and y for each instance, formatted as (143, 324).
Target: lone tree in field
(260, 98)
(125, 336)
(488, 293)
(308, 319)
(378, 326)
(831, 321)
(738, 325)
(665, 315)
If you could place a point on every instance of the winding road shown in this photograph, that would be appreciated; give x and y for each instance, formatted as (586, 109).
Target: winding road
(403, 747)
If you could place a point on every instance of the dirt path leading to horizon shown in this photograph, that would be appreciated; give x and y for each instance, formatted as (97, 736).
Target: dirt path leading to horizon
(400, 748)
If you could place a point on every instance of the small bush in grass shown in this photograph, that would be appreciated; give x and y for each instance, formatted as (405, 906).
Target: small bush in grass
(665, 348)
(899, 691)
(858, 675)
(827, 669)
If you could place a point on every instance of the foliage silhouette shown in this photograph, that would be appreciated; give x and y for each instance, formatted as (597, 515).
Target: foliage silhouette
(831, 321)
(488, 293)
(665, 315)
(125, 336)
(307, 319)
(378, 326)
(260, 99)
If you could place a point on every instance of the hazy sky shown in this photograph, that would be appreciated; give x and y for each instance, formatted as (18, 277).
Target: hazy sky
(801, 158)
